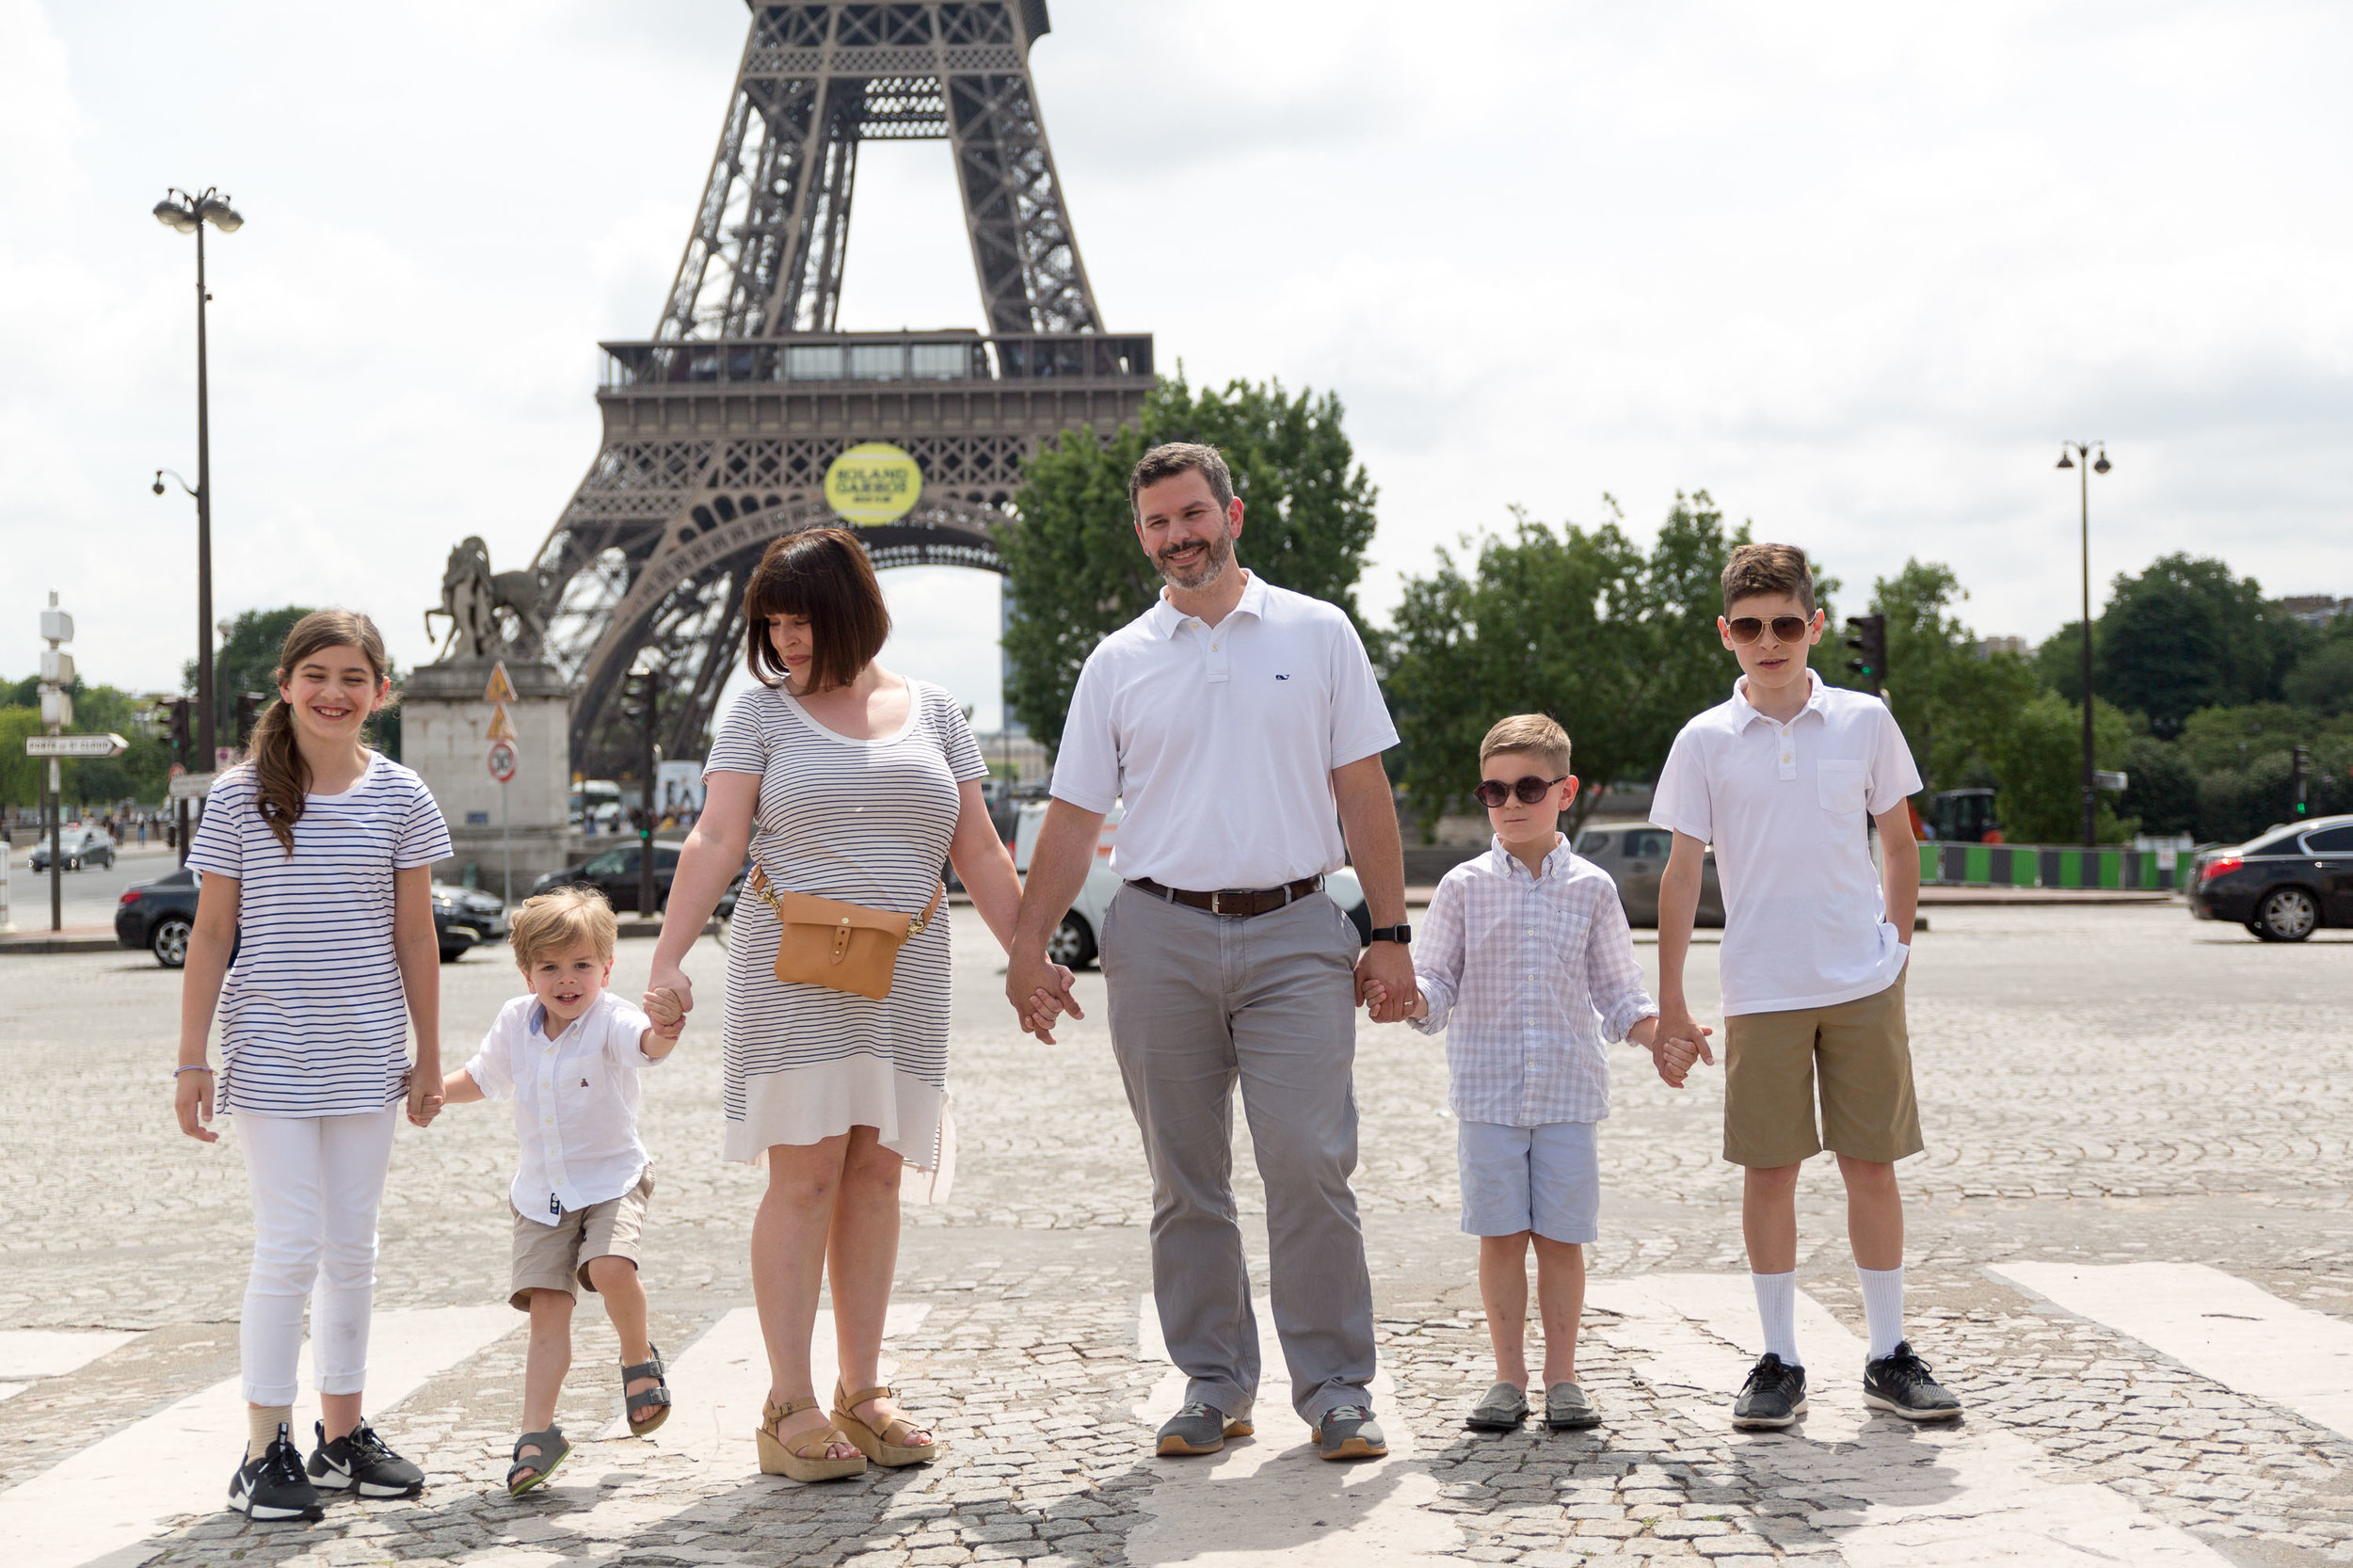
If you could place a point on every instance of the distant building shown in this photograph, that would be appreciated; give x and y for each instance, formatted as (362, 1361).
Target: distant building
(1989, 646)
(2315, 609)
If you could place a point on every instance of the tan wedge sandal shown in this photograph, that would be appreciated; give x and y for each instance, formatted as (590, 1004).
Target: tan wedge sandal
(808, 1462)
(883, 1446)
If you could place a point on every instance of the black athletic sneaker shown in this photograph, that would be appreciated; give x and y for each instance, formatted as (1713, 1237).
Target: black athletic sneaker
(1775, 1396)
(1900, 1382)
(364, 1462)
(274, 1486)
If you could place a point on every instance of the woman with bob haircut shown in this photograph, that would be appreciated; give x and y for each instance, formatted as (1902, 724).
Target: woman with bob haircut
(850, 782)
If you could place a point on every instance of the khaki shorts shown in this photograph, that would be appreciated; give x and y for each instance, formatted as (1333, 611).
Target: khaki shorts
(556, 1257)
(1862, 1053)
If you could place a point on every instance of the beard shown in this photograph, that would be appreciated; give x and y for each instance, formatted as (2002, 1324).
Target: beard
(1211, 565)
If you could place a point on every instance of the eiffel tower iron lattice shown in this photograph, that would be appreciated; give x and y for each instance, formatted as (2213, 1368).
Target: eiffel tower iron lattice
(719, 428)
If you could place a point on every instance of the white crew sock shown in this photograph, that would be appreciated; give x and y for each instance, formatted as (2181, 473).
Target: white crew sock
(1777, 1305)
(261, 1424)
(1883, 1306)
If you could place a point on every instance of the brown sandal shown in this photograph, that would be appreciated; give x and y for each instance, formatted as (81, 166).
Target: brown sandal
(884, 1448)
(808, 1462)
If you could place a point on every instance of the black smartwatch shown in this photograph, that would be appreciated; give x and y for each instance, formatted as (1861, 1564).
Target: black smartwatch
(1391, 934)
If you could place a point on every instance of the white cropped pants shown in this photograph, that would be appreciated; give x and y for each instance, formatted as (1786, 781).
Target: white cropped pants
(316, 1183)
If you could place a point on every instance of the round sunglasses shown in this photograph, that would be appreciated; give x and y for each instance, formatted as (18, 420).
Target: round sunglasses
(1530, 790)
(1786, 628)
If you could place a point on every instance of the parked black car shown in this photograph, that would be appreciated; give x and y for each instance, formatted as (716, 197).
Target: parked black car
(470, 909)
(158, 916)
(78, 845)
(2283, 883)
(613, 873)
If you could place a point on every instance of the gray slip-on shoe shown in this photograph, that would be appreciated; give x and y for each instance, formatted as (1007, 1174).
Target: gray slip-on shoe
(1567, 1409)
(1349, 1432)
(1502, 1410)
(1200, 1429)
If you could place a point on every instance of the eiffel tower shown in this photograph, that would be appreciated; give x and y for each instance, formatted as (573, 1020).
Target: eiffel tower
(719, 428)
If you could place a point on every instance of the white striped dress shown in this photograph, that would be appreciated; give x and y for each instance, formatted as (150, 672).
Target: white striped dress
(314, 1021)
(868, 821)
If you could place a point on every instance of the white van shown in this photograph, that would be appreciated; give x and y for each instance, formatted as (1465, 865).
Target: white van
(1074, 943)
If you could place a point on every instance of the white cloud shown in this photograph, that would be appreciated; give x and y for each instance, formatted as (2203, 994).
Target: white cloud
(1855, 269)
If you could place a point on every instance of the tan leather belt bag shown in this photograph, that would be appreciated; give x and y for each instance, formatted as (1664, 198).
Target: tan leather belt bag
(842, 947)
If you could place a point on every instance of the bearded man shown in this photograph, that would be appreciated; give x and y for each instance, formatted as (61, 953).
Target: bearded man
(1241, 726)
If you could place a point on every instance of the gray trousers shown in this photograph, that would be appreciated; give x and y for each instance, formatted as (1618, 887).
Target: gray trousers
(1198, 1001)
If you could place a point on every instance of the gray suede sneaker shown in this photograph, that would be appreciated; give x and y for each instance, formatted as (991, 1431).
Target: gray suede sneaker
(1567, 1409)
(1200, 1428)
(1349, 1432)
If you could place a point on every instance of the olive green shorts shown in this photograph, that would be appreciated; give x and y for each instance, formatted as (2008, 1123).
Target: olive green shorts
(1857, 1052)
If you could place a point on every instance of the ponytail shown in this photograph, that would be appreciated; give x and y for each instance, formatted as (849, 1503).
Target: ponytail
(280, 769)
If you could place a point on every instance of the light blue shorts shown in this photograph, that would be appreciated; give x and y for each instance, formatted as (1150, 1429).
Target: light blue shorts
(1544, 1178)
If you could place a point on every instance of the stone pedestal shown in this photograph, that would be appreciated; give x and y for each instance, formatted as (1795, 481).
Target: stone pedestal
(445, 736)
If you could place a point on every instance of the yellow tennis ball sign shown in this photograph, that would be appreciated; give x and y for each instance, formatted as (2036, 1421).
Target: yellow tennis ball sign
(872, 483)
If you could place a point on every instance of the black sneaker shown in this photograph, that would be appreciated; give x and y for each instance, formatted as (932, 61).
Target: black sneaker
(1900, 1384)
(364, 1462)
(274, 1486)
(1775, 1396)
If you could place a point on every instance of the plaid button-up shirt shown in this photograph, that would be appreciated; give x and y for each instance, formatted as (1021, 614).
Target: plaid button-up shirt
(1528, 976)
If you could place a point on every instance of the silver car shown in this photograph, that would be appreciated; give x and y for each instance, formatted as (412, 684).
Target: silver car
(1634, 856)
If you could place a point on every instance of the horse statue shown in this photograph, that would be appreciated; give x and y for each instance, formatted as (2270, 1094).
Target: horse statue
(471, 597)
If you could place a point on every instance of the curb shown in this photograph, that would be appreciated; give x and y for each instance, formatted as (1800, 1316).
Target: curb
(61, 941)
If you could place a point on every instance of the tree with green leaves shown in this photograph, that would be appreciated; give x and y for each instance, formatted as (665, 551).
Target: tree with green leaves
(2038, 760)
(1075, 572)
(1616, 643)
(1950, 702)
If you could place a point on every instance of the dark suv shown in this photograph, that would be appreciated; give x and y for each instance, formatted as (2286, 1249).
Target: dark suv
(2283, 883)
(613, 873)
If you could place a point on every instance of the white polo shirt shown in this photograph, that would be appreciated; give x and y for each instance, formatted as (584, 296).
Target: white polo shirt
(1805, 919)
(1222, 739)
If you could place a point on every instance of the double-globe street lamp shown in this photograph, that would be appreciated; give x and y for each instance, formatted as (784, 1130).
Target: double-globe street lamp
(189, 214)
(2093, 459)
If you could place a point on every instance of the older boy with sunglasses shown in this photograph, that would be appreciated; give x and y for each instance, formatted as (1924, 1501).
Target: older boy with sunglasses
(1526, 962)
(1781, 779)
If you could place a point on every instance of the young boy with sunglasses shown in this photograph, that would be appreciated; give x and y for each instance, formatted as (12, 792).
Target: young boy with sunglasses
(1527, 965)
(1782, 779)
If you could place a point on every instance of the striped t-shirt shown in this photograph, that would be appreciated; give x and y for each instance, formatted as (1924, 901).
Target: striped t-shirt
(314, 1021)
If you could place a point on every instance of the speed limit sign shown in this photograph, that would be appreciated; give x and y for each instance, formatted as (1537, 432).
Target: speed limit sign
(502, 760)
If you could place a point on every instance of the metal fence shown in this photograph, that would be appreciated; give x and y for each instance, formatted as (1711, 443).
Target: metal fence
(2119, 868)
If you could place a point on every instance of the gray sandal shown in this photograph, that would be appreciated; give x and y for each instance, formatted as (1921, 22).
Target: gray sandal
(1567, 1409)
(657, 1397)
(553, 1451)
(1503, 1410)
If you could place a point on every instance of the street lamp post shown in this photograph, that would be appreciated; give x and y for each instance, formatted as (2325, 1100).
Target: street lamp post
(189, 214)
(2093, 459)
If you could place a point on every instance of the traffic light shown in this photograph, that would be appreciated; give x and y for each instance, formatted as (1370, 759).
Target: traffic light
(1870, 645)
(2299, 770)
(179, 707)
(249, 706)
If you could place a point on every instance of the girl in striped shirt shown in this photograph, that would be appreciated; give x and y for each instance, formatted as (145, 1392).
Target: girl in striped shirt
(315, 942)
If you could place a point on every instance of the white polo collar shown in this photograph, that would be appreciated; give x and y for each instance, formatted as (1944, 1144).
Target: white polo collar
(1742, 714)
(1167, 620)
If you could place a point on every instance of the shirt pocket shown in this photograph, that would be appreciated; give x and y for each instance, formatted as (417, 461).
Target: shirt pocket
(1840, 787)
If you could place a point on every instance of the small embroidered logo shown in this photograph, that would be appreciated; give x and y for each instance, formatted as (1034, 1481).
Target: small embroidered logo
(1282, 678)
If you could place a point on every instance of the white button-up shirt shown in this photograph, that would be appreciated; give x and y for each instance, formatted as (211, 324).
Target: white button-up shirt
(1805, 915)
(1221, 740)
(575, 1101)
(1528, 976)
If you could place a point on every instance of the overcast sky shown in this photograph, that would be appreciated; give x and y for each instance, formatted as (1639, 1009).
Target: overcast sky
(1856, 269)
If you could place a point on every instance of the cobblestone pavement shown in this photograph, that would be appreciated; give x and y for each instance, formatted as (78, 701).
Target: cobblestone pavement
(2099, 1086)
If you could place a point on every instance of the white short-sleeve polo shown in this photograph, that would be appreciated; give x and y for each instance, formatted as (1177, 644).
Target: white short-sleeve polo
(1805, 919)
(1221, 740)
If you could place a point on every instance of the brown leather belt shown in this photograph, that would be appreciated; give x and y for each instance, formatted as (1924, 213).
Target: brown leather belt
(1240, 903)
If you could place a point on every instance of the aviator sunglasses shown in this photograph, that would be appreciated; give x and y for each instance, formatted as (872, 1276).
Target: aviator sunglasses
(1786, 628)
(1530, 790)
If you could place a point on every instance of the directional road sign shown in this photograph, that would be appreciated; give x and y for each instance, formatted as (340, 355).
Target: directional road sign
(191, 785)
(502, 761)
(75, 745)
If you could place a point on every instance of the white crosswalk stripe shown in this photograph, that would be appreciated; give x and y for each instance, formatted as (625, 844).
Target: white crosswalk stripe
(95, 1508)
(1953, 1494)
(1262, 1501)
(30, 1355)
(2216, 1324)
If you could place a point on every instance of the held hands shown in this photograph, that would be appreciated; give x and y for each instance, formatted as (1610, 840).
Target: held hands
(1675, 1044)
(667, 1012)
(425, 1097)
(1387, 969)
(1376, 1000)
(1039, 992)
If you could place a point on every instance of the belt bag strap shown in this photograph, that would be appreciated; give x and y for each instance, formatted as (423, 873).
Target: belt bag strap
(841, 946)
